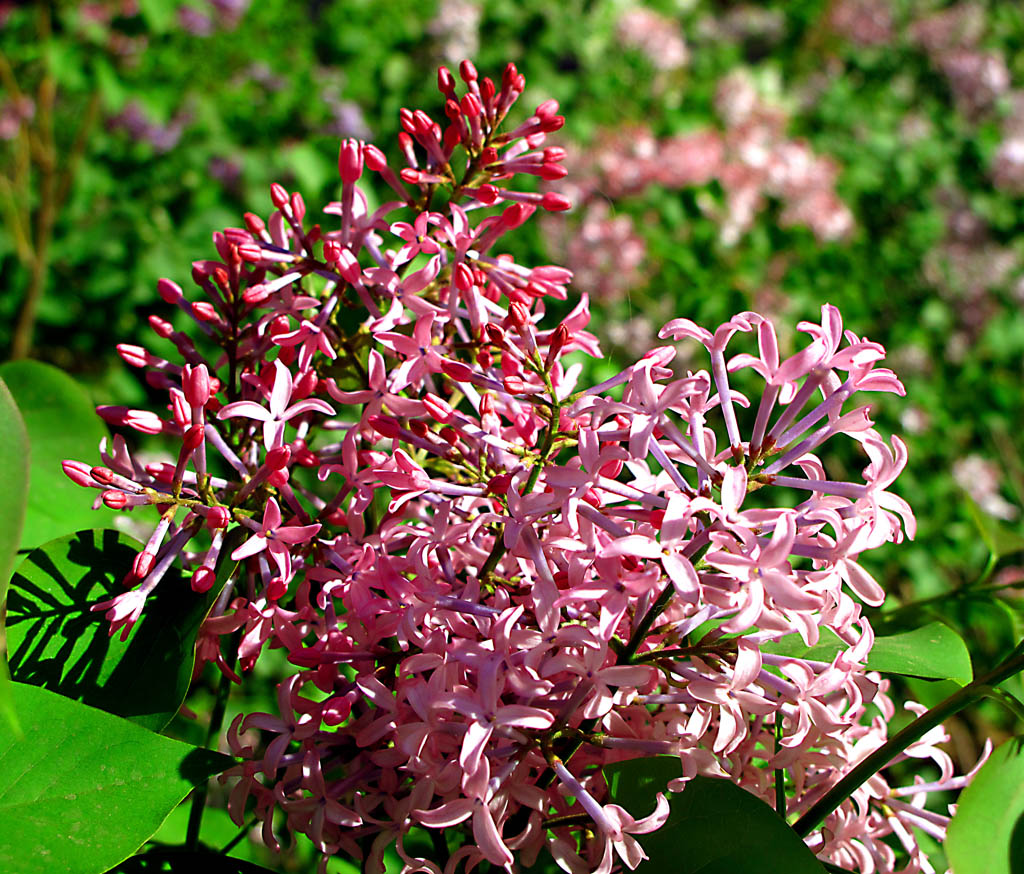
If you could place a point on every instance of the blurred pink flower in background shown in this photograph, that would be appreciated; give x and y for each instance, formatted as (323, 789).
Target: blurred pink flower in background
(657, 36)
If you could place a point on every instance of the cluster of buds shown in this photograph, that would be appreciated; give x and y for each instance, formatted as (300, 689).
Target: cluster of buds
(490, 580)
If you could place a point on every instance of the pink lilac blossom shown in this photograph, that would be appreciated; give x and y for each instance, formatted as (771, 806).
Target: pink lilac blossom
(752, 159)
(561, 576)
(951, 38)
(657, 36)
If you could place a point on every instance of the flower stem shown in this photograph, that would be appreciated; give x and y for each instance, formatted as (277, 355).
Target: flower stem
(880, 758)
(195, 814)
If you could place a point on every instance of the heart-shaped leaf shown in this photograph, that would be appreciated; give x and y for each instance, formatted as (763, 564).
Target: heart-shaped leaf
(85, 789)
(171, 861)
(14, 461)
(58, 642)
(986, 835)
(714, 827)
(61, 423)
(932, 652)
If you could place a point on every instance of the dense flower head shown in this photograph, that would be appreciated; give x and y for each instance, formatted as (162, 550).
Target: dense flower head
(491, 580)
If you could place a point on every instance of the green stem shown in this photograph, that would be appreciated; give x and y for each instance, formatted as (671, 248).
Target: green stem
(195, 814)
(780, 774)
(640, 632)
(880, 758)
(237, 839)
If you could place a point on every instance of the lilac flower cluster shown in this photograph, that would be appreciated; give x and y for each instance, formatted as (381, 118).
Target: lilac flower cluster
(559, 576)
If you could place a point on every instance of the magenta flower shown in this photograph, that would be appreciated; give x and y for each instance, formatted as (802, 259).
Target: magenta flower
(310, 338)
(276, 539)
(278, 412)
(422, 357)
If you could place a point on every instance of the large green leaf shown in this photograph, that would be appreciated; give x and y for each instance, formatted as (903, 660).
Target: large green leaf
(714, 827)
(85, 789)
(933, 652)
(57, 642)
(173, 861)
(61, 424)
(14, 460)
(986, 835)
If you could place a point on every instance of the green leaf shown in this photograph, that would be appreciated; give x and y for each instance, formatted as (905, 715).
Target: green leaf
(57, 642)
(634, 784)
(714, 827)
(933, 652)
(85, 789)
(14, 460)
(186, 862)
(986, 835)
(61, 424)
(999, 539)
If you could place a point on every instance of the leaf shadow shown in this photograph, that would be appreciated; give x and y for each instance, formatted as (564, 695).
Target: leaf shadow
(51, 622)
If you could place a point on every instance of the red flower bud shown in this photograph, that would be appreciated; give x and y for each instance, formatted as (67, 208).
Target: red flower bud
(114, 499)
(169, 291)
(193, 438)
(143, 564)
(499, 485)
(203, 579)
(278, 458)
(78, 472)
(218, 517)
(278, 478)
(386, 426)
(350, 161)
(278, 195)
(554, 202)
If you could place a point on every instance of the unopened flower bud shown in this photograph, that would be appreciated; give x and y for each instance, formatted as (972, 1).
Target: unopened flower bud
(254, 223)
(250, 252)
(439, 409)
(499, 485)
(143, 564)
(514, 385)
(278, 195)
(554, 202)
(134, 356)
(278, 457)
(375, 159)
(278, 478)
(169, 291)
(218, 517)
(193, 438)
(103, 475)
(445, 80)
(115, 499)
(195, 382)
(386, 426)
(203, 579)
(78, 472)
(204, 311)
